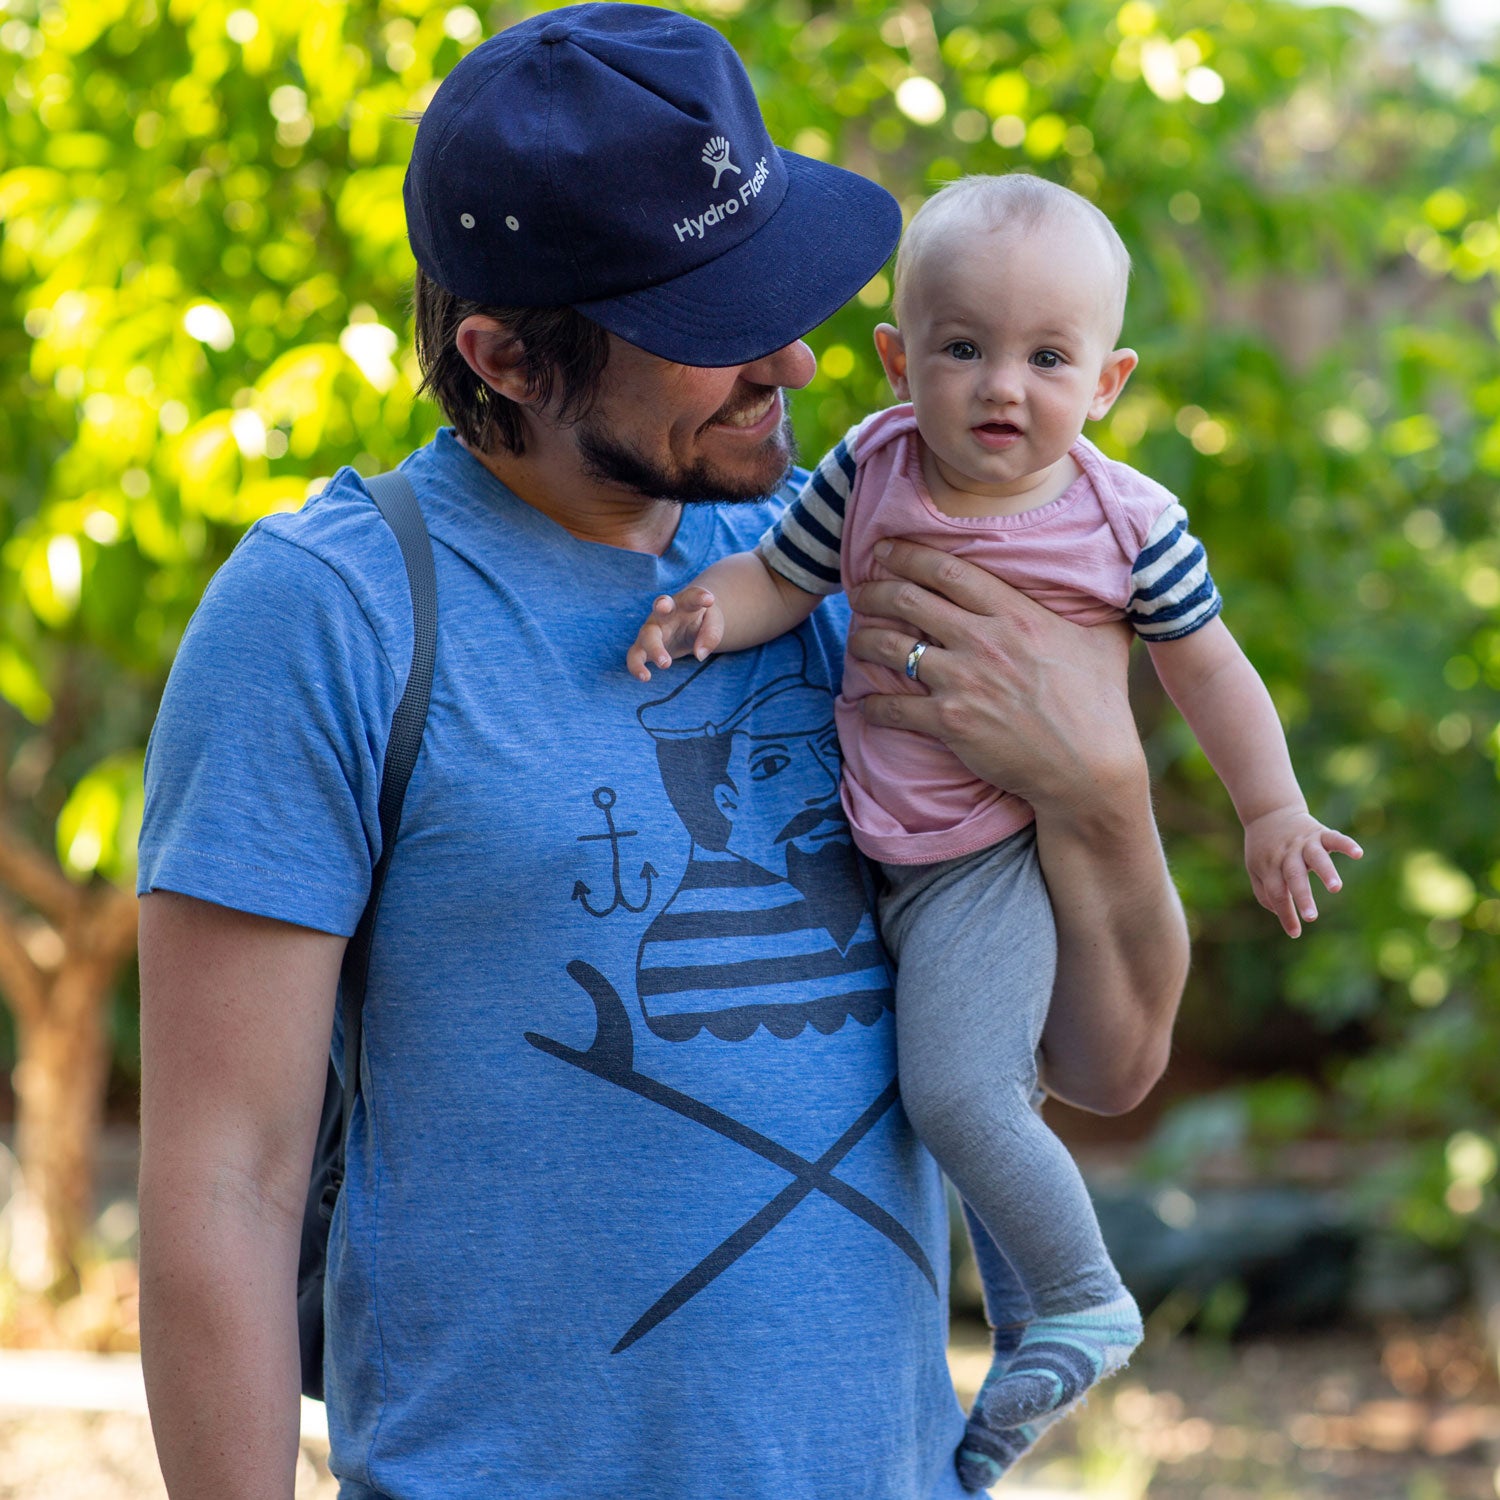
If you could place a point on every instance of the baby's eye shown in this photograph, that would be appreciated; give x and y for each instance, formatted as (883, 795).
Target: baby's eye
(963, 349)
(1046, 359)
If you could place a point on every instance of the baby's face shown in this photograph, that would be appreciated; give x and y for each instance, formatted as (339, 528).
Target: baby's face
(1006, 348)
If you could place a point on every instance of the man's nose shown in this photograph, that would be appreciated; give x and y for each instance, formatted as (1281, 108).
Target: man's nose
(831, 768)
(792, 366)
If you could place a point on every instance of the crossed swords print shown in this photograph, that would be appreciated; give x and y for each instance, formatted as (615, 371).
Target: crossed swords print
(611, 1056)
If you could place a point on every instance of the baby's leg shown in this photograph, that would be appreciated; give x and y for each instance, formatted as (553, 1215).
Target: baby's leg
(1008, 1311)
(975, 949)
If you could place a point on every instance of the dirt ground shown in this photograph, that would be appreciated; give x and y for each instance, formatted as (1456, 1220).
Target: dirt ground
(1410, 1413)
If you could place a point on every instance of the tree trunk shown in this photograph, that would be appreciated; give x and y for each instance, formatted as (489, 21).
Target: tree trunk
(57, 970)
(62, 1067)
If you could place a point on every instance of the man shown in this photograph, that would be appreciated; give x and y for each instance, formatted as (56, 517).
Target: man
(574, 1255)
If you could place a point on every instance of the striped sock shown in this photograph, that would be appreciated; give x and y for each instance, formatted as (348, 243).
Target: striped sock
(1058, 1360)
(986, 1456)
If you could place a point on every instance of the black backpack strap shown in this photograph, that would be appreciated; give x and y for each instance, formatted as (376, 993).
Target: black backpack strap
(398, 504)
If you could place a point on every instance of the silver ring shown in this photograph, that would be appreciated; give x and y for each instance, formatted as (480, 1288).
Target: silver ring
(914, 659)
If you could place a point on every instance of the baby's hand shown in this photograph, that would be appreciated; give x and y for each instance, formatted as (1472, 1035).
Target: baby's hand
(678, 625)
(1281, 847)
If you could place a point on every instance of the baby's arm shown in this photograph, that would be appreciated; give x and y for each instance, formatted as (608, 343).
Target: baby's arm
(752, 597)
(740, 601)
(1227, 706)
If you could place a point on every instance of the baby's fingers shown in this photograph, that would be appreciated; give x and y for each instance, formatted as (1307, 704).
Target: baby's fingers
(647, 648)
(710, 633)
(1272, 893)
(1299, 887)
(1340, 843)
(1318, 862)
(1318, 851)
(693, 598)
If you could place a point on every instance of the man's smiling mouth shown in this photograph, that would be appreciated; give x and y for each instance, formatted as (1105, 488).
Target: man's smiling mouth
(748, 416)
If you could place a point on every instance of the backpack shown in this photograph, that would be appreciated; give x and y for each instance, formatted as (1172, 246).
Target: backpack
(398, 505)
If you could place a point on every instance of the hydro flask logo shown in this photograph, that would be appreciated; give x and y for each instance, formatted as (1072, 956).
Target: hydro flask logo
(716, 155)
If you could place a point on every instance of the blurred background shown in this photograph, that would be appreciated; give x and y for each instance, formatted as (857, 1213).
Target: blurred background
(205, 279)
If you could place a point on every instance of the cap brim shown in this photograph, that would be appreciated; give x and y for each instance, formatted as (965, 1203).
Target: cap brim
(830, 234)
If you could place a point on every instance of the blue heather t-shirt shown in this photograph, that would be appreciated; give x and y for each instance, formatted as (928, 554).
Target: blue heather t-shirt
(631, 1208)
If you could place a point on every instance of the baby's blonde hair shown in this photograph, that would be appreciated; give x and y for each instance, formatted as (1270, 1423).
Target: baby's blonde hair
(1015, 201)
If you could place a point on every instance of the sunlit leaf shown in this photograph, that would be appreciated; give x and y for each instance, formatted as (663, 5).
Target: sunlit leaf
(100, 823)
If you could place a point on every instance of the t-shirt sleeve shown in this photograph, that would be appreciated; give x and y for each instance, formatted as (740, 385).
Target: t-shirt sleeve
(803, 545)
(263, 769)
(1172, 593)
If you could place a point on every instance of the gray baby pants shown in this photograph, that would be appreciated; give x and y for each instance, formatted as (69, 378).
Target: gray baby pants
(975, 950)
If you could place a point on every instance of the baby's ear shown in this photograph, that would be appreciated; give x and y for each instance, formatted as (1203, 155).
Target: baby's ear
(1112, 380)
(891, 348)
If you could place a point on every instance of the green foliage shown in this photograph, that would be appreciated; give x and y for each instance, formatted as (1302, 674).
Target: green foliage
(203, 247)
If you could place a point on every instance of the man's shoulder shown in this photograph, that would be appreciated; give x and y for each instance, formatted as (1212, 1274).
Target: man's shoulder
(339, 525)
(331, 570)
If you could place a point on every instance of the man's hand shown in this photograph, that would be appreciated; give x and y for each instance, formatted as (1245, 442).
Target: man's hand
(1281, 848)
(1025, 699)
(689, 622)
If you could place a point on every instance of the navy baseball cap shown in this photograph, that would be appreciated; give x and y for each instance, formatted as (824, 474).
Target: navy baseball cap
(612, 158)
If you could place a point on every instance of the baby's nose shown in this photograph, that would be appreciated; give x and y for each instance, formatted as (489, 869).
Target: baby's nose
(1002, 381)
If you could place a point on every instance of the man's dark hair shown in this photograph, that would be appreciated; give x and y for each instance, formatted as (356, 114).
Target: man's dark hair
(563, 352)
(691, 771)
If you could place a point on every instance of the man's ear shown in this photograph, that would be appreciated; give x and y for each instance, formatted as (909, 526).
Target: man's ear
(1112, 380)
(495, 355)
(891, 348)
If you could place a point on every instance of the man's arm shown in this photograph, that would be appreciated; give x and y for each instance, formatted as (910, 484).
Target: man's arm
(236, 1013)
(1038, 705)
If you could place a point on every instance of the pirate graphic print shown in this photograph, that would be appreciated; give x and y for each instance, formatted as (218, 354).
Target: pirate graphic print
(768, 926)
(765, 935)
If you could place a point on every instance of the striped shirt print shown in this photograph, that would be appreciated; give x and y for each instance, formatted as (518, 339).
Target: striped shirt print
(1171, 591)
(736, 936)
(803, 546)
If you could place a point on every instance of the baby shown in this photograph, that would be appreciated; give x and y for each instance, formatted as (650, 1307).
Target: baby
(1009, 294)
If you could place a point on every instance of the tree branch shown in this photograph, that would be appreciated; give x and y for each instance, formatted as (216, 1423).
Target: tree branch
(35, 878)
(117, 915)
(22, 982)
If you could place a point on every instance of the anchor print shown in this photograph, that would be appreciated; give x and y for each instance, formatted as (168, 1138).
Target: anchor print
(604, 800)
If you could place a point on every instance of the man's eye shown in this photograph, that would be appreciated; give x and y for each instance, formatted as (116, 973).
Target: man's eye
(768, 766)
(1046, 359)
(963, 349)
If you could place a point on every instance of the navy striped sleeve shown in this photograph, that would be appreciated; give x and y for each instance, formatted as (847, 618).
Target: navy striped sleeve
(1172, 593)
(803, 546)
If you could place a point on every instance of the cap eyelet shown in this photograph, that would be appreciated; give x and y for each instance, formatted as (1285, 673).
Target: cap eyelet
(512, 222)
(467, 220)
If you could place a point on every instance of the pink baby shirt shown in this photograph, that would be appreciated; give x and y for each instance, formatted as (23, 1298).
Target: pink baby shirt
(1114, 545)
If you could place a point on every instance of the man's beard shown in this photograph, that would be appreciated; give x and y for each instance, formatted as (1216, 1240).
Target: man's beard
(607, 458)
(828, 878)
